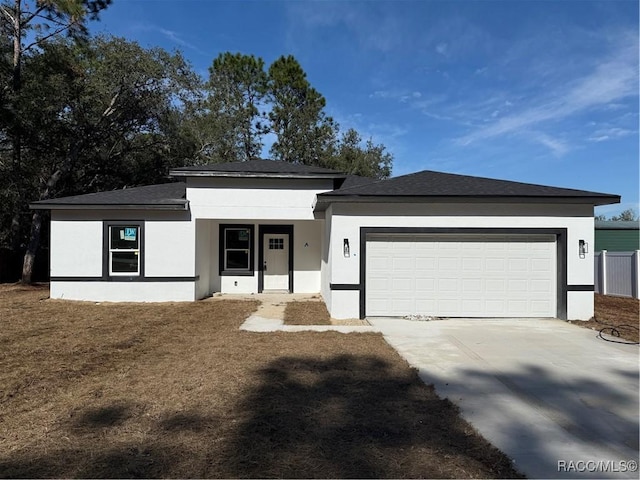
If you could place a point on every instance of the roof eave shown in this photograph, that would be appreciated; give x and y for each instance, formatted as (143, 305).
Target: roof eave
(182, 206)
(323, 201)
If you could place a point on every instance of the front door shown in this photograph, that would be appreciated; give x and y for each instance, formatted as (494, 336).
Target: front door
(276, 261)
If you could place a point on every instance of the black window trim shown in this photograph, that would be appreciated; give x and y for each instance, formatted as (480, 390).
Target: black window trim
(252, 242)
(107, 224)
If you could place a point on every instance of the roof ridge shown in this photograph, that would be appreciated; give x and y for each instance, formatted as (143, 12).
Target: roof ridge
(257, 166)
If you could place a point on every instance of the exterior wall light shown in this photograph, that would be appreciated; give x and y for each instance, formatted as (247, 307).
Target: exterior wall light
(345, 248)
(583, 248)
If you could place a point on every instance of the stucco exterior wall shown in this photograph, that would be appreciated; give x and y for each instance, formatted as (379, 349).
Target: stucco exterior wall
(76, 246)
(78, 251)
(124, 291)
(347, 219)
(325, 276)
(255, 198)
(579, 305)
(307, 252)
(169, 248)
(203, 258)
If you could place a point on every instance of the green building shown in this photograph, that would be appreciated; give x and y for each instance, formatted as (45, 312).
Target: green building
(615, 236)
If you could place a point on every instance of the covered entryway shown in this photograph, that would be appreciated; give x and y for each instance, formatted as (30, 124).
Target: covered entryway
(461, 275)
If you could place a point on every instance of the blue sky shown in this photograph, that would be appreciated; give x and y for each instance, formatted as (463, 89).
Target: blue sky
(533, 91)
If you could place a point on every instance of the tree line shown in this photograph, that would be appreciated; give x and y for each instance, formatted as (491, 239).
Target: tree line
(82, 114)
(628, 215)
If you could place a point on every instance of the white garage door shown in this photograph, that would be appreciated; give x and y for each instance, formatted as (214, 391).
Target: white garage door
(461, 275)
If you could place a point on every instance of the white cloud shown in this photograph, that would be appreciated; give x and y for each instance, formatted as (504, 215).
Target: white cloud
(442, 49)
(374, 26)
(558, 147)
(615, 79)
(410, 96)
(169, 35)
(609, 134)
(402, 96)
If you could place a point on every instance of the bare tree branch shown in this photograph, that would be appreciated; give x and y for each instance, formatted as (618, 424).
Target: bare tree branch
(42, 39)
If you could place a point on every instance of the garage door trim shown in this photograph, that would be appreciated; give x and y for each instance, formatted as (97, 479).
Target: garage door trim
(561, 253)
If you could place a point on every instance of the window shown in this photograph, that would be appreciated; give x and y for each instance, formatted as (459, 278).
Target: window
(124, 250)
(276, 244)
(236, 249)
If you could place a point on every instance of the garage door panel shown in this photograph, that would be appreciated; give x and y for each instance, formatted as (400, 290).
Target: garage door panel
(379, 305)
(499, 286)
(449, 264)
(517, 308)
(461, 275)
(495, 308)
(541, 286)
(540, 306)
(518, 265)
(472, 264)
(424, 263)
(403, 263)
(517, 286)
(379, 263)
(402, 305)
(379, 282)
(425, 286)
(540, 265)
(402, 285)
(448, 286)
(515, 247)
(472, 306)
(449, 307)
(472, 285)
(494, 264)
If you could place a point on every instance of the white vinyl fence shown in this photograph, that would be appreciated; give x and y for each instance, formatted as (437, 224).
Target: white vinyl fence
(617, 273)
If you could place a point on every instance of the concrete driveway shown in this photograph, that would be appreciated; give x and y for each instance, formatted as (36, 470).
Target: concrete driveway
(559, 401)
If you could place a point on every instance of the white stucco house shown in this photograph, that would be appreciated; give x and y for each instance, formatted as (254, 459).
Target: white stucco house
(426, 243)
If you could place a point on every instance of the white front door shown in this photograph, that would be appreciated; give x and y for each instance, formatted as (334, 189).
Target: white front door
(276, 261)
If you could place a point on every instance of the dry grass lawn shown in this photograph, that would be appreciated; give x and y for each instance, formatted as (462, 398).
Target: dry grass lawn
(619, 313)
(176, 390)
(306, 313)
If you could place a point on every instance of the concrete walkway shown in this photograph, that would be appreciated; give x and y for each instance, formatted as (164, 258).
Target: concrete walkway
(556, 399)
(270, 314)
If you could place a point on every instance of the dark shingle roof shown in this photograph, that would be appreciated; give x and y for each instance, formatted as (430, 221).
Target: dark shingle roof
(167, 196)
(256, 168)
(355, 181)
(426, 184)
(435, 184)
